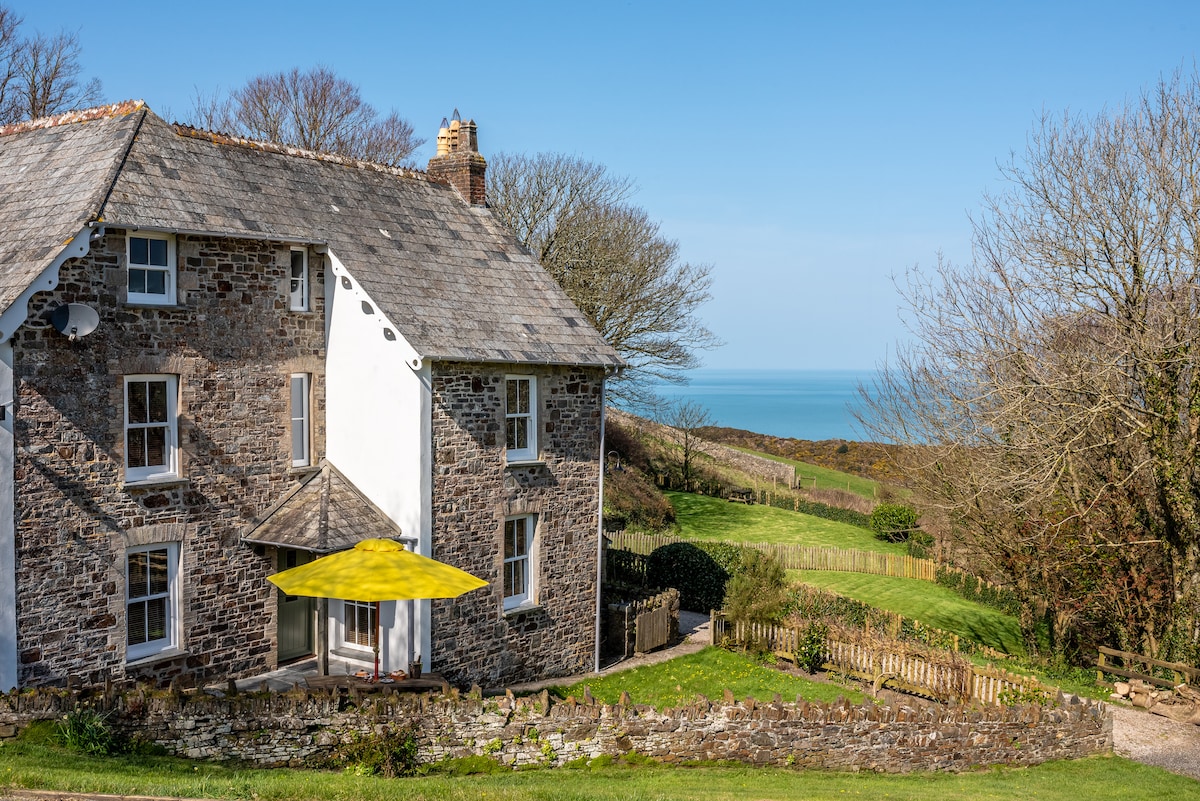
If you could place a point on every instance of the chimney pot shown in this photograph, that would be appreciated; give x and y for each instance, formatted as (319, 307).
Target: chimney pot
(458, 162)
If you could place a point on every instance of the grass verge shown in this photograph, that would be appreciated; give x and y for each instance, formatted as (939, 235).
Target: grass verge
(705, 518)
(710, 672)
(45, 767)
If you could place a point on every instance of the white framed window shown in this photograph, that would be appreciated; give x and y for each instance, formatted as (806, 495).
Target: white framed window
(519, 561)
(150, 261)
(520, 419)
(298, 291)
(358, 624)
(151, 427)
(151, 599)
(301, 425)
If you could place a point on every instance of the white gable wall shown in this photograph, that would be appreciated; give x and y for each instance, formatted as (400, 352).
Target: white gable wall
(377, 432)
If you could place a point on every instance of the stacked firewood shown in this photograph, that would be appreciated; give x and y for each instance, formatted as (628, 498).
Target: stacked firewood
(1180, 703)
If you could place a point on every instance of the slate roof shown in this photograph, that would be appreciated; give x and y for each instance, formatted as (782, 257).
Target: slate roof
(323, 514)
(448, 275)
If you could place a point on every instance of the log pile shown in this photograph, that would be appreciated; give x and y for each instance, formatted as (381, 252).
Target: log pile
(1181, 703)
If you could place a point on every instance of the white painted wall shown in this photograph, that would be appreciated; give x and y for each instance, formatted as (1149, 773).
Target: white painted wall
(378, 432)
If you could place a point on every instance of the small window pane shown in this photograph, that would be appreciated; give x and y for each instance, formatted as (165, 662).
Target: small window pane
(138, 402)
(518, 433)
(158, 572)
(510, 401)
(135, 447)
(522, 397)
(157, 401)
(137, 281)
(139, 250)
(156, 447)
(158, 252)
(137, 581)
(156, 282)
(156, 619)
(136, 623)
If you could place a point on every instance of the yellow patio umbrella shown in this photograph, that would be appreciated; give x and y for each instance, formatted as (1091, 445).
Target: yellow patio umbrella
(376, 570)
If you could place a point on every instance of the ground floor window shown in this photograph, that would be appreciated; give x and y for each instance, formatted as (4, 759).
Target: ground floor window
(518, 559)
(359, 621)
(151, 599)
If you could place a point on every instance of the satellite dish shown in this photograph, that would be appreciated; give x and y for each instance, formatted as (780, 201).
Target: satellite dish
(75, 320)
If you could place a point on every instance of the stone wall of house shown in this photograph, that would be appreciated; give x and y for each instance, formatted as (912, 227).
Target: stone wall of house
(475, 641)
(233, 343)
(299, 729)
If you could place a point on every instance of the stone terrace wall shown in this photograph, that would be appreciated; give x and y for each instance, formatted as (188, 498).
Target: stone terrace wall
(760, 466)
(300, 729)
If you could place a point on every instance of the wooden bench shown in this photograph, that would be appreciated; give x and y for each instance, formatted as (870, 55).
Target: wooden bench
(741, 495)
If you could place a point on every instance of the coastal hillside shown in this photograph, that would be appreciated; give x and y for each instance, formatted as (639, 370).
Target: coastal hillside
(866, 459)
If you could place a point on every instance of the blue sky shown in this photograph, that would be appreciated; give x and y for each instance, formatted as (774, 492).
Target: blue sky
(807, 151)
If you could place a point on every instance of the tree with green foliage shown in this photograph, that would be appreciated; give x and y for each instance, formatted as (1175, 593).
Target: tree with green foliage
(758, 593)
(894, 522)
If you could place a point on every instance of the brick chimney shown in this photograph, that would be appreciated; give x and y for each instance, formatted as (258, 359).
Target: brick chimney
(458, 162)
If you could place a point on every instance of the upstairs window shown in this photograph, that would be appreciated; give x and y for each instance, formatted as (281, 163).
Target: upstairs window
(151, 599)
(301, 456)
(520, 422)
(151, 267)
(151, 429)
(299, 280)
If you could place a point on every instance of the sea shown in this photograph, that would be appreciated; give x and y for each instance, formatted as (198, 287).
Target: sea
(802, 404)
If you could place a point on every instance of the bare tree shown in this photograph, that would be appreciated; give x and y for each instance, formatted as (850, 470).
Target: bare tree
(611, 259)
(686, 418)
(40, 75)
(1052, 393)
(314, 110)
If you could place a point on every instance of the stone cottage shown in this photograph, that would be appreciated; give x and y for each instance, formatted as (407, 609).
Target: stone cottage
(221, 358)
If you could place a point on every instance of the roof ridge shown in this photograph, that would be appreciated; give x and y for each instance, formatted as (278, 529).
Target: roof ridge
(71, 117)
(298, 152)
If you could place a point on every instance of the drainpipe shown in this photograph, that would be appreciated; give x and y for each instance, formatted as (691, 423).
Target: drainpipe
(600, 528)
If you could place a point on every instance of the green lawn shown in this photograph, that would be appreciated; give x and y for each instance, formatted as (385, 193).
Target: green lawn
(929, 603)
(825, 477)
(709, 673)
(44, 767)
(704, 518)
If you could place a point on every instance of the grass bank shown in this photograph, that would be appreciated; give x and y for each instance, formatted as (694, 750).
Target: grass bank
(812, 476)
(705, 518)
(929, 603)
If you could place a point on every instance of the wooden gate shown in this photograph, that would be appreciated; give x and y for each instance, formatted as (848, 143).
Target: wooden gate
(651, 629)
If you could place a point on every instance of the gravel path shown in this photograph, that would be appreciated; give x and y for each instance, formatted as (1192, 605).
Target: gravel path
(1155, 740)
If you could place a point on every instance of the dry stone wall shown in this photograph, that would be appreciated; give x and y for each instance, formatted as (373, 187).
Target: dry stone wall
(474, 491)
(233, 343)
(299, 729)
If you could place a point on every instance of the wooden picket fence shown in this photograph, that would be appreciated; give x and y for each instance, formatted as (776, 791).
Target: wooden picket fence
(943, 676)
(800, 557)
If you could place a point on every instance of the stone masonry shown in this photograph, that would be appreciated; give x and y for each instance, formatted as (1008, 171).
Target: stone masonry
(300, 729)
(474, 491)
(233, 344)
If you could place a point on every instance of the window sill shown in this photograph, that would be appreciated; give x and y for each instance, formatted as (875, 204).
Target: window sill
(353, 655)
(161, 656)
(523, 609)
(303, 470)
(525, 463)
(156, 483)
(145, 304)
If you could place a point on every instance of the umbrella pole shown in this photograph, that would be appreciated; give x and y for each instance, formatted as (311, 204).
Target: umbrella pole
(376, 678)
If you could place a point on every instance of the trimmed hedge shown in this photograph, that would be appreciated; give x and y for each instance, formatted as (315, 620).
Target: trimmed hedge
(835, 513)
(699, 571)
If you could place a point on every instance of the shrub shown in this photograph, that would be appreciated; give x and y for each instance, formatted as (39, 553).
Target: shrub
(893, 522)
(87, 731)
(387, 753)
(758, 592)
(810, 649)
(693, 571)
